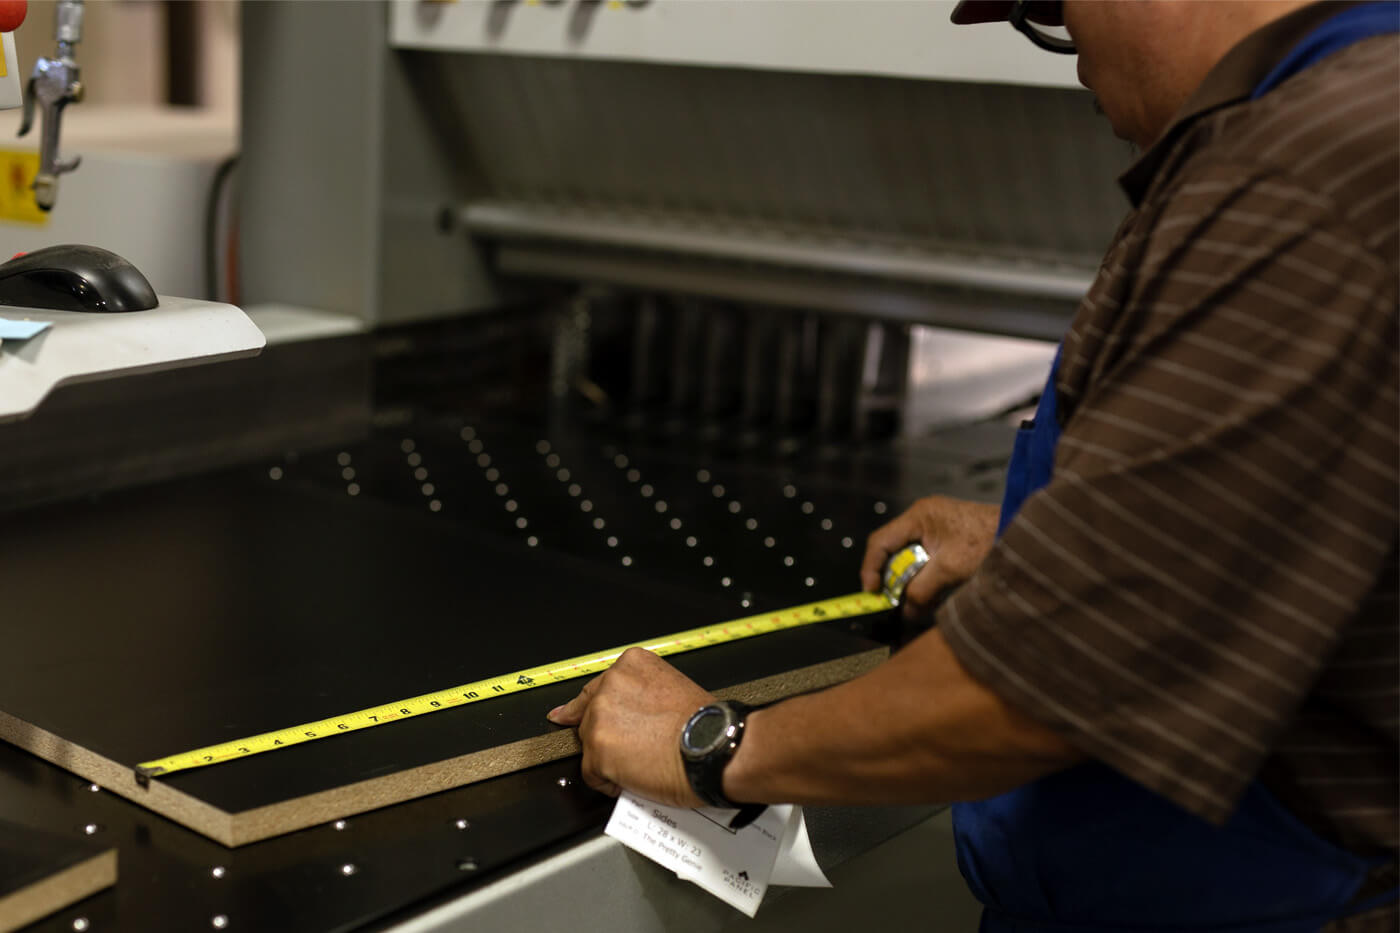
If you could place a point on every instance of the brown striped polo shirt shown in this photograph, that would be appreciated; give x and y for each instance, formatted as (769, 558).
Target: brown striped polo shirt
(1206, 591)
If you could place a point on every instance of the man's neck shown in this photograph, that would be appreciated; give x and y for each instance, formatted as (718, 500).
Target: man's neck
(1215, 28)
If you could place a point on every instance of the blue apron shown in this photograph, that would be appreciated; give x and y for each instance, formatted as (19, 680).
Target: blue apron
(1089, 850)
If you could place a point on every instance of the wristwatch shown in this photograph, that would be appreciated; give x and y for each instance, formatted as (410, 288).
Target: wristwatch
(708, 741)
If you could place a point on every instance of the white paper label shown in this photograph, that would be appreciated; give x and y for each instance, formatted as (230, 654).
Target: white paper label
(698, 845)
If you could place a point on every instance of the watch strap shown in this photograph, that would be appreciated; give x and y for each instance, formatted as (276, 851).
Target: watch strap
(706, 775)
(747, 814)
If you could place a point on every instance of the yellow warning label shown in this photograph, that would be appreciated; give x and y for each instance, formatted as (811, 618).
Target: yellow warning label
(4, 66)
(17, 171)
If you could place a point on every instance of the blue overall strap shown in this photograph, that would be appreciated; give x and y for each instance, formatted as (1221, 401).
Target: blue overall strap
(1349, 26)
(1033, 457)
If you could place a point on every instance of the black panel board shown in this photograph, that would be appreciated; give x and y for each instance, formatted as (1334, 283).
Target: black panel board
(173, 879)
(160, 620)
(43, 872)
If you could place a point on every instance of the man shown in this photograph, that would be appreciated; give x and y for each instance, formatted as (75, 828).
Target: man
(1169, 681)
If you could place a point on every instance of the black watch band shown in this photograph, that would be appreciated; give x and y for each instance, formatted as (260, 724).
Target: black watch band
(708, 742)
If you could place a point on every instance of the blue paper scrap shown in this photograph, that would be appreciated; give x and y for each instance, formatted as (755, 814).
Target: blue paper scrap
(21, 330)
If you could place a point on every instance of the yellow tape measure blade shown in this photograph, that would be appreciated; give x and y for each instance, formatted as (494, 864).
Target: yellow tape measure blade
(827, 610)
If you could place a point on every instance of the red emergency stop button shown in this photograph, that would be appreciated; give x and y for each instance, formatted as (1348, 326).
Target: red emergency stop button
(12, 13)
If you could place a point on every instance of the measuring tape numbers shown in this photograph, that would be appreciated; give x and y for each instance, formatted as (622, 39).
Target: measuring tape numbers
(900, 569)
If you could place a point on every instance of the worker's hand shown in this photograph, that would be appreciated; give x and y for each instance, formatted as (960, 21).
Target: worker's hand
(630, 719)
(957, 535)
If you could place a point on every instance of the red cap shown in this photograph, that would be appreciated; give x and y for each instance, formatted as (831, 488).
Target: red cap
(12, 13)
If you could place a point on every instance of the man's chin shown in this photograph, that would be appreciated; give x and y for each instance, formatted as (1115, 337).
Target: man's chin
(1098, 109)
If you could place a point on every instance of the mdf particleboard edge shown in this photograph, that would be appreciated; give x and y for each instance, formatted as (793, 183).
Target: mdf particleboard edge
(805, 679)
(57, 891)
(314, 809)
(118, 778)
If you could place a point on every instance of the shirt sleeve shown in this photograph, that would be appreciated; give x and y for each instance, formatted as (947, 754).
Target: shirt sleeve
(1224, 494)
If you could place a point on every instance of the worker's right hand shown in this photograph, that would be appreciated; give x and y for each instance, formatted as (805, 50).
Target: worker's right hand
(957, 535)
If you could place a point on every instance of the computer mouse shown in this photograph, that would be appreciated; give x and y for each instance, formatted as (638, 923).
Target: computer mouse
(74, 278)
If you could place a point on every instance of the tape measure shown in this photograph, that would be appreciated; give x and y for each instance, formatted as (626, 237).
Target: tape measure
(899, 570)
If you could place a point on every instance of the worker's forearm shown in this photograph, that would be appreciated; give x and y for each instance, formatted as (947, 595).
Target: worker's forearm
(917, 729)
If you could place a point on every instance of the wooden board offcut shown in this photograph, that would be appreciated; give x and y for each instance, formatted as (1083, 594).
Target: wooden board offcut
(161, 621)
(41, 873)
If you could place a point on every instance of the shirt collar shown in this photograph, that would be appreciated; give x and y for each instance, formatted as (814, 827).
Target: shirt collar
(1233, 79)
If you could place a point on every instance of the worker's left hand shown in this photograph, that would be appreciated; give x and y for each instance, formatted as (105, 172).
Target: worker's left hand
(630, 719)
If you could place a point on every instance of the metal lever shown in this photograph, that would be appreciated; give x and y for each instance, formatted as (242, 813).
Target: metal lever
(54, 84)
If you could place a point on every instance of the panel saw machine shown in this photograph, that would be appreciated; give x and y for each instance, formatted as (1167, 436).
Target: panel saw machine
(561, 324)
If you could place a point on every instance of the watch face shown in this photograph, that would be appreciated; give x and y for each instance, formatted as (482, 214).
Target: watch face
(705, 731)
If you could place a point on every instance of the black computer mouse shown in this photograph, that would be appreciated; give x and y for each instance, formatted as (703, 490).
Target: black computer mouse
(74, 278)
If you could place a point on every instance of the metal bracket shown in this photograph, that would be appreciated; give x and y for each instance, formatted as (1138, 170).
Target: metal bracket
(54, 85)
